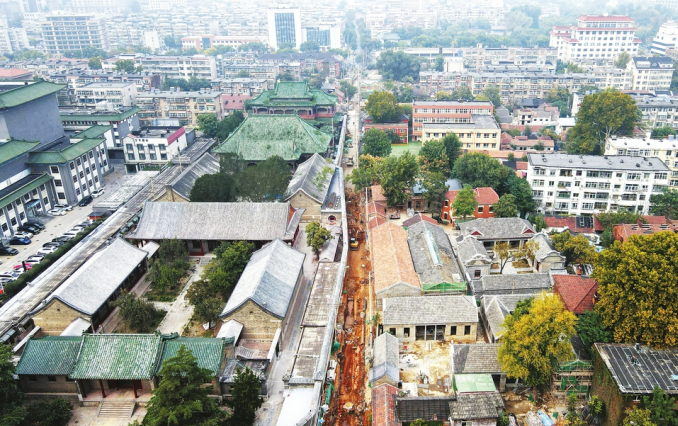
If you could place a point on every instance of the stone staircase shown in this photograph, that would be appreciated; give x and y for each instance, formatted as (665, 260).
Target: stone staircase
(116, 409)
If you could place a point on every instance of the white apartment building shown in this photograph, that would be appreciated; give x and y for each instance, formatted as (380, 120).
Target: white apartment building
(612, 77)
(592, 184)
(327, 36)
(183, 106)
(116, 95)
(153, 146)
(13, 39)
(185, 67)
(658, 111)
(664, 149)
(240, 86)
(200, 42)
(63, 33)
(284, 26)
(666, 38)
(651, 73)
(153, 40)
(601, 38)
(169, 5)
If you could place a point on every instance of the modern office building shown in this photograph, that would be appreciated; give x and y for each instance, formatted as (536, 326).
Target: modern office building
(327, 36)
(598, 38)
(63, 33)
(284, 26)
(591, 184)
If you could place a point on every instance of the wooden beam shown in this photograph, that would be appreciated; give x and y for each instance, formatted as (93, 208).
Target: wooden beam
(101, 384)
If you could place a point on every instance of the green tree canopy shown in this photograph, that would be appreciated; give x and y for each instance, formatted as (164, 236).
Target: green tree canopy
(576, 249)
(463, 93)
(245, 397)
(480, 170)
(267, 181)
(439, 64)
(208, 124)
(590, 329)
(398, 65)
(637, 416)
(366, 173)
(433, 158)
(492, 92)
(465, 203)
(665, 204)
(94, 63)
(397, 176)
(348, 89)
(662, 132)
(383, 107)
(506, 206)
(532, 341)
(181, 397)
(376, 143)
(622, 60)
(662, 408)
(317, 236)
(138, 315)
(436, 188)
(310, 46)
(213, 188)
(638, 288)
(452, 148)
(600, 116)
(125, 65)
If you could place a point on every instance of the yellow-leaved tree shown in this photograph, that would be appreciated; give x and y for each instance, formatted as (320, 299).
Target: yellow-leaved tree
(638, 289)
(534, 336)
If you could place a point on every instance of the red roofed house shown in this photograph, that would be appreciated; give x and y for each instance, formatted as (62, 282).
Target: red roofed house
(15, 74)
(376, 214)
(578, 293)
(623, 232)
(575, 224)
(399, 127)
(383, 405)
(378, 195)
(234, 102)
(485, 198)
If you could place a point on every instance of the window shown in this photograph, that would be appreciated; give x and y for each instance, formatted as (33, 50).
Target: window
(87, 170)
(391, 331)
(406, 331)
(633, 176)
(142, 156)
(77, 191)
(476, 273)
(90, 154)
(84, 158)
(89, 182)
(480, 209)
(453, 330)
(61, 195)
(130, 147)
(54, 169)
(78, 161)
(57, 182)
(13, 221)
(661, 176)
(467, 330)
(5, 227)
(75, 178)
(163, 156)
(466, 423)
(71, 165)
(51, 378)
(130, 156)
(22, 216)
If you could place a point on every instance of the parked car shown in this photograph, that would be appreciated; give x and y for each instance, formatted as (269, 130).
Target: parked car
(35, 257)
(70, 234)
(23, 235)
(8, 251)
(29, 228)
(20, 241)
(47, 250)
(21, 266)
(64, 207)
(85, 201)
(56, 212)
(40, 226)
(53, 244)
(33, 262)
(98, 192)
(61, 239)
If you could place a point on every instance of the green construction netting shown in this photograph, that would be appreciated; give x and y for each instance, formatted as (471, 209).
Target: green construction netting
(444, 288)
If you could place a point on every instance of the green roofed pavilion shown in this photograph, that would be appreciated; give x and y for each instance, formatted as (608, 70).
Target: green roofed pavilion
(262, 136)
(208, 351)
(464, 383)
(24, 94)
(49, 356)
(290, 97)
(118, 357)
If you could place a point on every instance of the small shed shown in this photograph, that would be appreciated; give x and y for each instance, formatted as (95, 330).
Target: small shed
(385, 367)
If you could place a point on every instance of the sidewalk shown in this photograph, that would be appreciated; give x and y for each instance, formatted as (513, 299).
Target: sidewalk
(180, 312)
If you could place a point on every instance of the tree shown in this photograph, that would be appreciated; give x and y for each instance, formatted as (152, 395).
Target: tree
(213, 188)
(316, 81)
(433, 158)
(310, 46)
(397, 176)
(573, 417)
(662, 132)
(383, 107)
(528, 131)
(622, 60)
(398, 65)
(267, 181)
(317, 236)
(665, 204)
(366, 173)
(638, 291)
(465, 203)
(480, 170)
(125, 65)
(286, 76)
(10, 396)
(662, 408)
(435, 185)
(462, 93)
(452, 148)
(181, 397)
(170, 42)
(637, 416)
(505, 207)
(231, 260)
(94, 63)
(208, 124)
(348, 89)
(257, 47)
(576, 249)
(245, 397)
(206, 306)
(439, 64)
(532, 341)
(376, 143)
(590, 329)
(600, 116)
(56, 412)
(419, 422)
(517, 20)
(503, 250)
(138, 314)
(493, 93)
(522, 191)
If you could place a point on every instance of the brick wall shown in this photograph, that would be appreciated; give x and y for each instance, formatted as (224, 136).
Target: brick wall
(55, 317)
(258, 324)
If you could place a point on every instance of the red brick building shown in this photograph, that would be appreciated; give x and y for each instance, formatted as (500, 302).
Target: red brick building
(400, 127)
(485, 198)
(445, 112)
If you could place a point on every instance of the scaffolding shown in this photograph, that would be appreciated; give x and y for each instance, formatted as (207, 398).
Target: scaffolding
(444, 288)
(573, 378)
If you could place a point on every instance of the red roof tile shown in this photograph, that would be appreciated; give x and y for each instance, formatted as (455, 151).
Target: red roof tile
(655, 219)
(599, 18)
(375, 221)
(375, 208)
(234, 102)
(13, 72)
(391, 259)
(577, 292)
(378, 194)
(484, 196)
(418, 218)
(383, 405)
(571, 223)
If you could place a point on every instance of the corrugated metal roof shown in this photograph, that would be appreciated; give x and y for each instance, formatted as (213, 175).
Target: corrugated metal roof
(101, 117)
(269, 279)
(49, 356)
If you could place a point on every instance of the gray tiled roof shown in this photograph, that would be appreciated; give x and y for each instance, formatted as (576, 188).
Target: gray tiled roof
(598, 162)
(512, 283)
(94, 282)
(476, 358)
(311, 179)
(429, 310)
(545, 248)
(471, 249)
(472, 406)
(205, 165)
(497, 307)
(506, 228)
(432, 254)
(385, 361)
(268, 280)
(214, 221)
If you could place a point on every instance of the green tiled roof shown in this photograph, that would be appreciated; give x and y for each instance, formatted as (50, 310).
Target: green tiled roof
(291, 93)
(118, 357)
(29, 184)
(25, 94)
(209, 352)
(262, 136)
(49, 356)
(12, 149)
(101, 117)
(93, 132)
(67, 154)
